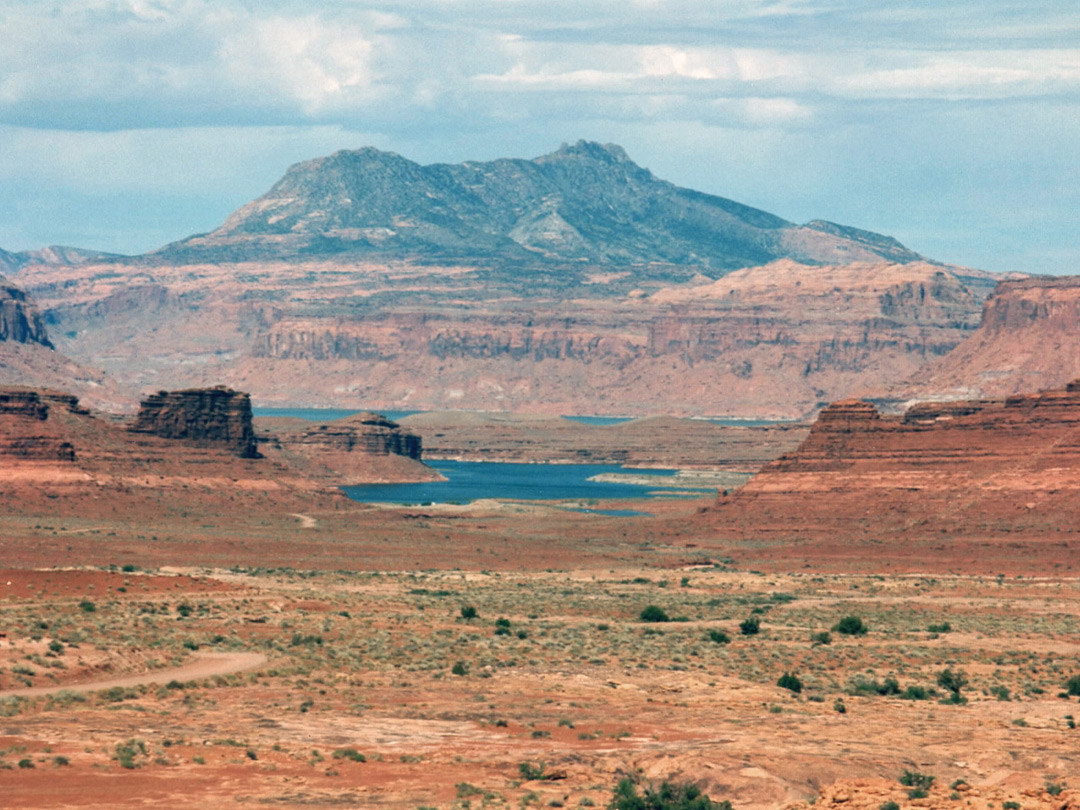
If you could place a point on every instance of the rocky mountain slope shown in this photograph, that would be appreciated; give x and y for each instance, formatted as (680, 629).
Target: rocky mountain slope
(1027, 340)
(586, 202)
(988, 469)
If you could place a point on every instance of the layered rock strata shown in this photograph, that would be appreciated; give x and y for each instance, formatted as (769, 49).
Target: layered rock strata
(987, 467)
(25, 433)
(1026, 340)
(362, 448)
(200, 416)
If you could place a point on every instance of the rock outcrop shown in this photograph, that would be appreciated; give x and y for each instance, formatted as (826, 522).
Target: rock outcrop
(359, 449)
(20, 320)
(25, 433)
(988, 468)
(201, 416)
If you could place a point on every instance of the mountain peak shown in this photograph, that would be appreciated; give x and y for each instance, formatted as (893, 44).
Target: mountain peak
(606, 152)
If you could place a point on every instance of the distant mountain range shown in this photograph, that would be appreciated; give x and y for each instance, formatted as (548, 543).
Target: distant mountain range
(584, 203)
(54, 254)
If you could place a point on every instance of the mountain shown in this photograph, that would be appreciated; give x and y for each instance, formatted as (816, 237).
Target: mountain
(20, 321)
(586, 202)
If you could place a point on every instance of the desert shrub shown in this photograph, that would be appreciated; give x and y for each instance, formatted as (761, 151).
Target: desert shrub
(953, 682)
(26, 763)
(861, 685)
(821, 638)
(1010, 805)
(460, 668)
(944, 627)
(350, 754)
(915, 779)
(530, 772)
(790, 682)
(666, 796)
(850, 626)
(1055, 788)
(1072, 686)
(751, 626)
(719, 637)
(888, 806)
(468, 612)
(915, 693)
(653, 613)
(86, 606)
(502, 622)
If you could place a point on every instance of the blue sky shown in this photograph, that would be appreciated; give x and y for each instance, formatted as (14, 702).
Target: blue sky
(953, 125)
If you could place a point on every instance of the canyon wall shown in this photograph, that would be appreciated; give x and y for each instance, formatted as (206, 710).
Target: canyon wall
(776, 341)
(1027, 340)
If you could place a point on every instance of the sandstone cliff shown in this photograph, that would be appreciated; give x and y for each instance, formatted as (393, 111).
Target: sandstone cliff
(200, 416)
(20, 321)
(986, 468)
(25, 433)
(363, 448)
(773, 341)
(1027, 340)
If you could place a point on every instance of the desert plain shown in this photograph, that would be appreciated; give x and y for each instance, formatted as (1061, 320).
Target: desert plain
(498, 655)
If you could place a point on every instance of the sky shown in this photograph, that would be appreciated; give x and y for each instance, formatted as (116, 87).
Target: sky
(952, 125)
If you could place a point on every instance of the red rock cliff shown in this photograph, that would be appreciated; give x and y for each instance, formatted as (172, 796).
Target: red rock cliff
(201, 416)
(986, 467)
(25, 431)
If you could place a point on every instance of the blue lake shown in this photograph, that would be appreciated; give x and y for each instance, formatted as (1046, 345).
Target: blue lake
(470, 480)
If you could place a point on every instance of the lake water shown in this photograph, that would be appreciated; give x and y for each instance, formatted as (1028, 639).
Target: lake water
(470, 480)
(329, 414)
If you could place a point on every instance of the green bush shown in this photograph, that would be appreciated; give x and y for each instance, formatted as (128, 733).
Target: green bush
(530, 772)
(667, 796)
(944, 627)
(750, 627)
(350, 754)
(460, 668)
(850, 626)
(468, 612)
(86, 606)
(719, 637)
(821, 638)
(652, 613)
(790, 682)
(953, 682)
(916, 779)
(1072, 686)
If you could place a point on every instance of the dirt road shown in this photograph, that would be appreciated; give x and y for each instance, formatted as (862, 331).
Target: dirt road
(201, 665)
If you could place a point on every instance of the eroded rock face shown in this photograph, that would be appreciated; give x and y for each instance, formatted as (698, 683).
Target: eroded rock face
(24, 430)
(201, 416)
(362, 448)
(1026, 341)
(985, 467)
(20, 320)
